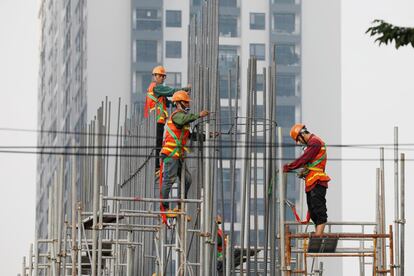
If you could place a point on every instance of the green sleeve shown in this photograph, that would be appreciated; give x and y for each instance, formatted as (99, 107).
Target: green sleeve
(181, 119)
(166, 91)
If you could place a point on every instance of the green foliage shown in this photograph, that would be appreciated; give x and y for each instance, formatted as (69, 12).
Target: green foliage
(388, 33)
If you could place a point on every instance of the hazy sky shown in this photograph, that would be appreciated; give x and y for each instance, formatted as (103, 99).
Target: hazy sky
(377, 91)
(18, 94)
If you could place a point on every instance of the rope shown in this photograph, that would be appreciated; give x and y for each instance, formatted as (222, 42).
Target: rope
(139, 168)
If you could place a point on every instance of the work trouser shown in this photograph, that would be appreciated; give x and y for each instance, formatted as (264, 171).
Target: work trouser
(159, 138)
(172, 173)
(316, 199)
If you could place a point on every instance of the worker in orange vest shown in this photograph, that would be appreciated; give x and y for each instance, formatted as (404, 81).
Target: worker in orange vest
(156, 99)
(221, 243)
(177, 133)
(313, 163)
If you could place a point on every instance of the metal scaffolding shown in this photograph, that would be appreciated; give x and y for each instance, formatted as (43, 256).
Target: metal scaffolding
(107, 220)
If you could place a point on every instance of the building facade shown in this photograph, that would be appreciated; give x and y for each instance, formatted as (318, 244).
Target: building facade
(84, 57)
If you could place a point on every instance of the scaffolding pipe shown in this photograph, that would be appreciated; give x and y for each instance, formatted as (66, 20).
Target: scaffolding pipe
(74, 211)
(382, 245)
(31, 260)
(79, 246)
(281, 186)
(402, 219)
(95, 201)
(396, 205)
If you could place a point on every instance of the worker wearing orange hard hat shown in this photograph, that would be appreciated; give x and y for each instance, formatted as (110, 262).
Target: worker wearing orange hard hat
(313, 163)
(156, 99)
(177, 133)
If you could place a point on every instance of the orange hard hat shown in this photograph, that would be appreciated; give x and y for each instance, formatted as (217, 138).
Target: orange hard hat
(160, 70)
(295, 131)
(181, 96)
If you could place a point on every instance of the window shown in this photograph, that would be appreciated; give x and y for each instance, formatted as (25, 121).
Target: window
(173, 18)
(259, 111)
(285, 116)
(228, 26)
(283, 1)
(228, 192)
(225, 121)
(284, 22)
(258, 50)
(285, 85)
(173, 49)
(147, 50)
(224, 85)
(173, 79)
(228, 3)
(257, 21)
(148, 20)
(286, 54)
(142, 82)
(259, 82)
(227, 57)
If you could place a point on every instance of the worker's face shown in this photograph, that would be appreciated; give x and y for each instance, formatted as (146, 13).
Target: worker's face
(184, 106)
(301, 141)
(159, 79)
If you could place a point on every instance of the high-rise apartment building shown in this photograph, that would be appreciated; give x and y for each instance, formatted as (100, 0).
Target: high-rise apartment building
(159, 36)
(91, 49)
(84, 57)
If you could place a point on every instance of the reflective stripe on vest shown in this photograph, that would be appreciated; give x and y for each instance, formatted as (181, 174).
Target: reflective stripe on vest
(158, 103)
(173, 146)
(316, 167)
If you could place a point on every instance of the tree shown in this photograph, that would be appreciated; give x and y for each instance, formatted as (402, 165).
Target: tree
(388, 33)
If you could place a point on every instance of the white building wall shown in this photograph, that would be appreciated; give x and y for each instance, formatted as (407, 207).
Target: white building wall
(108, 53)
(321, 96)
(177, 34)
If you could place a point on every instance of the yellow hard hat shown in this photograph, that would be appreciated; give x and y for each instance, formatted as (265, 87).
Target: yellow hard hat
(160, 70)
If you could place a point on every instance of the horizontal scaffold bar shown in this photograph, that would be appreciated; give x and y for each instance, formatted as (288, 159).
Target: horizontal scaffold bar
(356, 223)
(144, 199)
(339, 235)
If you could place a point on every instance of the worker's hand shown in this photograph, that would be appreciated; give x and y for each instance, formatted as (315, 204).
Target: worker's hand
(285, 168)
(203, 113)
(214, 134)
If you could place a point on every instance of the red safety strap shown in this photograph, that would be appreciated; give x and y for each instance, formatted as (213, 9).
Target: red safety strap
(163, 216)
(295, 213)
(298, 218)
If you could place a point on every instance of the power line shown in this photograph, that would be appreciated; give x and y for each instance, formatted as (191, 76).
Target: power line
(187, 157)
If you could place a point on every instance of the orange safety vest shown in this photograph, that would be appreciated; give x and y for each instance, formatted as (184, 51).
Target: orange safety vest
(153, 102)
(175, 139)
(220, 236)
(317, 166)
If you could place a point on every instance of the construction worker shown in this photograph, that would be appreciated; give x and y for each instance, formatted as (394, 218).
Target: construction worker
(313, 163)
(157, 94)
(221, 242)
(177, 133)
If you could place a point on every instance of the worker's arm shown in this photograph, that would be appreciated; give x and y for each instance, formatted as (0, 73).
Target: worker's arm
(309, 154)
(166, 91)
(181, 119)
